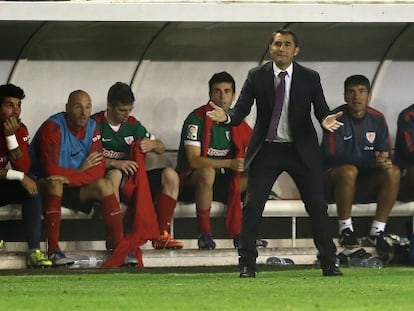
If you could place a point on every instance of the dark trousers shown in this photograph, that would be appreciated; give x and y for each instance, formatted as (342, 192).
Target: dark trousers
(12, 192)
(271, 160)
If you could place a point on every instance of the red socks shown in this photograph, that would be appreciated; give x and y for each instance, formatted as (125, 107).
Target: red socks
(203, 218)
(112, 216)
(165, 211)
(52, 218)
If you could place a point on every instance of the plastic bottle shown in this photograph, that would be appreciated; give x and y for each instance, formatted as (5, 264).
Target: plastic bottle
(87, 262)
(279, 261)
(373, 262)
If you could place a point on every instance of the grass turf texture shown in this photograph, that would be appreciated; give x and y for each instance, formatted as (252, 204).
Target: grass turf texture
(207, 288)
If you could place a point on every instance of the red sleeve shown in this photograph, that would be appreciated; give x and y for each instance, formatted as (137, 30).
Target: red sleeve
(48, 149)
(23, 163)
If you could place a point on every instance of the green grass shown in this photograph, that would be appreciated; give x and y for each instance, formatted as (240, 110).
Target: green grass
(208, 288)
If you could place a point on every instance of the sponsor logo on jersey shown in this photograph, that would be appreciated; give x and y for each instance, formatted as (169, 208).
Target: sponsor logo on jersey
(96, 137)
(370, 136)
(368, 148)
(115, 154)
(347, 137)
(192, 130)
(74, 153)
(106, 139)
(217, 152)
(3, 159)
(129, 139)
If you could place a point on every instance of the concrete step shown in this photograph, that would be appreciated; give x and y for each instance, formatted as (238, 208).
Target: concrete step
(13, 255)
(175, 258)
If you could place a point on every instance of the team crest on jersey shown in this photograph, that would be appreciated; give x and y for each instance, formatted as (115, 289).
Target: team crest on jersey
(370, 136)
(192, 131)
(129, 139)
(228, 135)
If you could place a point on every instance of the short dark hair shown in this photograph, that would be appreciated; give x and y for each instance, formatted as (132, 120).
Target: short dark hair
(220, 77)
(11, 90)
(120, 93)
(286, 31)
(357, 80)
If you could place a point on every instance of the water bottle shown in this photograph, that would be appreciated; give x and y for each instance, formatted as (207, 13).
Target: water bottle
(373, 262)
(87, 262)
(279, 261)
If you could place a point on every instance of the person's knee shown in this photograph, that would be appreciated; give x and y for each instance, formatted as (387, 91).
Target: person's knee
(170, 178)
(52, 187)
(345, 174)
(115, 176)
(103, 187)
(204, 177)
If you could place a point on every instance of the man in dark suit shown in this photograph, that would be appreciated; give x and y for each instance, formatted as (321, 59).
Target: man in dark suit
(285, 142)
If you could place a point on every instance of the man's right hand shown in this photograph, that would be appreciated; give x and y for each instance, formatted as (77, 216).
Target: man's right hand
(93, 159)
(11, 125)
(217, 114)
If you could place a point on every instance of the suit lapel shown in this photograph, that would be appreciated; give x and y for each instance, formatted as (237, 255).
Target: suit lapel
(269, 84)
(295, 84)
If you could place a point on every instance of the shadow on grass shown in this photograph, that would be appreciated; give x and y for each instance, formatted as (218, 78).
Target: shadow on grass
(151, 270)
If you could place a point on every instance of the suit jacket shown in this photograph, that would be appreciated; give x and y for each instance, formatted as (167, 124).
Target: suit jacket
(305, 90)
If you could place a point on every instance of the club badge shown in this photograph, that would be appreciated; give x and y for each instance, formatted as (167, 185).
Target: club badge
(129, 139)
(370, 136)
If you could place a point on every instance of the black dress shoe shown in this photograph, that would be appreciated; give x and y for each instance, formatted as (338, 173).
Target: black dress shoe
(331, 271)
(246, 272)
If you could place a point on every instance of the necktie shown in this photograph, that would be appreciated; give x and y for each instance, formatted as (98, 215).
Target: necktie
(278, 105)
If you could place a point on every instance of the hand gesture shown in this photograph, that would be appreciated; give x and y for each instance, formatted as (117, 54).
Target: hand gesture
(217, 114)
(330, 123)
(11, 125)
(93, 159)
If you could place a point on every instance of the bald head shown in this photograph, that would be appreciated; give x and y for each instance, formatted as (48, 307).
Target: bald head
(78, 109)
(75, 95)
